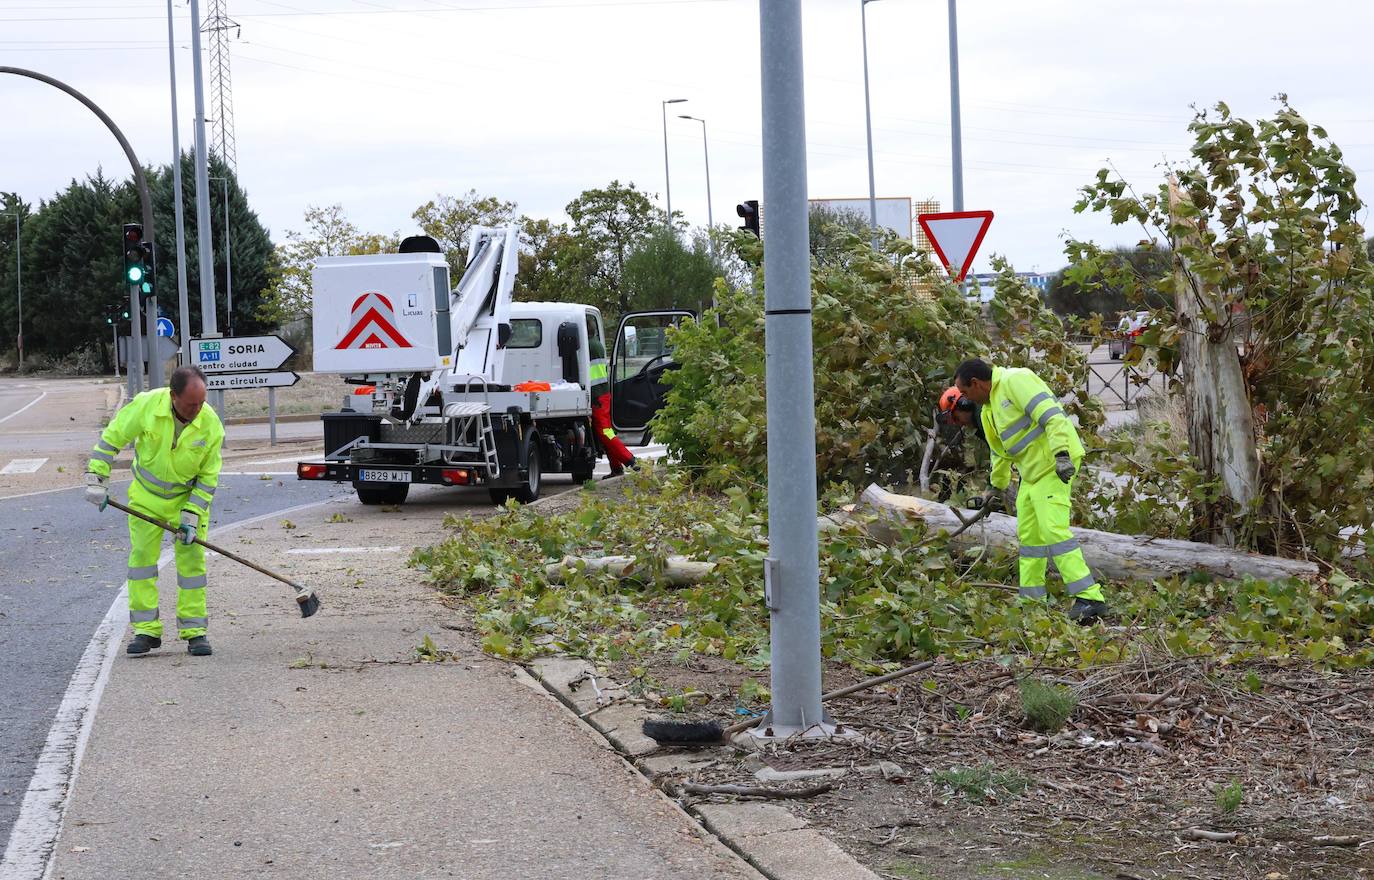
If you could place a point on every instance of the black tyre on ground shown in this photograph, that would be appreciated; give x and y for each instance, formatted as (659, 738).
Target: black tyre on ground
(499, 496)
(384, 493)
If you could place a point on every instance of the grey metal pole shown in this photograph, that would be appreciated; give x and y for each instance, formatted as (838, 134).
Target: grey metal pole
(957, 146)
(133, 352)
(183, 302)
(706, 152)
(208, 320)
(793, 567)
(208, 323)
(114, 328)
(667, 179)
(868, 121)
(150, 341)
(140, 181)
(228, 267)
(19, 286)
(272, 415)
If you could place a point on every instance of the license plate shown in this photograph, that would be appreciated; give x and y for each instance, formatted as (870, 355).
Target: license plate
(369, 475)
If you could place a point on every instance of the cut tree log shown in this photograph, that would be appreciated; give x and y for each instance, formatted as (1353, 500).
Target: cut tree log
(1111, 555)
(678, 571)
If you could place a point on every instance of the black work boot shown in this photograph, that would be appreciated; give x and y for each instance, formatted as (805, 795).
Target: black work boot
(198, 646)
(1087, 611)
(142, 644)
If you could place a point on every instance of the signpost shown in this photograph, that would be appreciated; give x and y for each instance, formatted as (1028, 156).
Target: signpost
(956, 237)
(238, 363)
(240, 354)
(241, 381)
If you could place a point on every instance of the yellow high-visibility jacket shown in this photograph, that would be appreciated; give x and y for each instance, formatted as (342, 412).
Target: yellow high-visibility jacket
(1025, 426)
(188, 472)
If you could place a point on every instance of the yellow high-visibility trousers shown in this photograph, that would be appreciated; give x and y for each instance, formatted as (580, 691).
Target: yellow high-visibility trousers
(145, 545)
(1042, 528)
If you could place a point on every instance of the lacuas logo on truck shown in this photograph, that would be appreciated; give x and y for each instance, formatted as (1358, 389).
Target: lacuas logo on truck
(373, 325)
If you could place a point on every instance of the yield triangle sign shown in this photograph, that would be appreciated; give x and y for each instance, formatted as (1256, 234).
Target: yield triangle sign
(956, 237)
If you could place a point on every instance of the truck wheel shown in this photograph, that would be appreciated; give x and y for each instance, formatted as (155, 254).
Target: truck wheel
(580, 477)
(530, 491)
(390, 493)
(499, 496)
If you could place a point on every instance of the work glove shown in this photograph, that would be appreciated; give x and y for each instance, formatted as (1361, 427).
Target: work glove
(96, 491)
(1063, 466)
(186, 532)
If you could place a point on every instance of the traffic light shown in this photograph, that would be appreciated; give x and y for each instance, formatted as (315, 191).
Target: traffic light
(750, 212)
(138, 259)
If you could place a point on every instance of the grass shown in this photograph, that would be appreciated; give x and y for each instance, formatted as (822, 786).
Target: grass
(1046, 706)
(982, 783)
(1229, 798)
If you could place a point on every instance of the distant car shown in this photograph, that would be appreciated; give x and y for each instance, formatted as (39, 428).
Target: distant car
(1128, 329)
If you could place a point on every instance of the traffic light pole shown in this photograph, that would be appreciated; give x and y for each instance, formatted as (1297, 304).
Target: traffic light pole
(792, 571)
(204, 246)
(133, 367)
(140, 182)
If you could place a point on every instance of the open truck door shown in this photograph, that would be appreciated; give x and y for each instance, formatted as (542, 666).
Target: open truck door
(639, 358)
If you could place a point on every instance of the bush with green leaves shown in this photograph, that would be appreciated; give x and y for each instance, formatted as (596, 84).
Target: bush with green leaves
(879, 604)
(1046, 706)
(884, 348)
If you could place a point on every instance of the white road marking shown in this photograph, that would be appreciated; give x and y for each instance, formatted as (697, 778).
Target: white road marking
(24, 466)
(24, 407)
(313, 551)
(36, 830)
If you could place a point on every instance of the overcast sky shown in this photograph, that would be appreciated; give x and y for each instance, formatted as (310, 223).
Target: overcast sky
(379, 105)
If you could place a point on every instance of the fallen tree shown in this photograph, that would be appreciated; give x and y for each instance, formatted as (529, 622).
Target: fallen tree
(1111, 555)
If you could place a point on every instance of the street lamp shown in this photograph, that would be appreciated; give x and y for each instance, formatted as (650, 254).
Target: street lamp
(228, 264)
(706, 152)
(18, 288)
(667, 180)
(868, 122)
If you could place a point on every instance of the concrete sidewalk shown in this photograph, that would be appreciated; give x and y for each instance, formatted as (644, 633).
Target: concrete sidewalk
(321, 748)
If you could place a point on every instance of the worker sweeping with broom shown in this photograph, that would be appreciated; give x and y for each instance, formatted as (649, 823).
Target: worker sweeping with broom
(177, 442)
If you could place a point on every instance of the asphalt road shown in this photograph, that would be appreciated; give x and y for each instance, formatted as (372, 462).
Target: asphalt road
(61, 565)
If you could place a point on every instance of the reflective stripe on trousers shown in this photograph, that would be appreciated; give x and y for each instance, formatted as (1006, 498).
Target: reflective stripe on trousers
(1042, 527)
(145, 545)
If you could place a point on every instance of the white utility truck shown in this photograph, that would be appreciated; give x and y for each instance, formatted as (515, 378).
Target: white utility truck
(463, 387)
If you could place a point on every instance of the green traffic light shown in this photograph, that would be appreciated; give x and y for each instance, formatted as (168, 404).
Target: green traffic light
(147, 287)
(135, 274)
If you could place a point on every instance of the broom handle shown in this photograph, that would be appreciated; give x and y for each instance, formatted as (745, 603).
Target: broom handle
(844, 691)
(220, 550)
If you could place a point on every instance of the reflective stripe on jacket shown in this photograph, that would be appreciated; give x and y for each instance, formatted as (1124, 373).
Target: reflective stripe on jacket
(597, 376)
(190, 471)
(1024, 425)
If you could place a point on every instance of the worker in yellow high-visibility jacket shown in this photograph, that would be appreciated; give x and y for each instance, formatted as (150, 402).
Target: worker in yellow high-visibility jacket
(1025, 426)
(177, 442)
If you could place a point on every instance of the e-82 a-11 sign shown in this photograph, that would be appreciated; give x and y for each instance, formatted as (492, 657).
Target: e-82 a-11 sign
(240, 354)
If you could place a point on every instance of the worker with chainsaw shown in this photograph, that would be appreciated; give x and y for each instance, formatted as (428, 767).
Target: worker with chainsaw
(616, 451)
(177, 442)
(1025, 426)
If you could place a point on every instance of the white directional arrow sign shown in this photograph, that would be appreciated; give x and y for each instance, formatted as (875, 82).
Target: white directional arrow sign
(956, 237)
(237, 354)
(244, 381)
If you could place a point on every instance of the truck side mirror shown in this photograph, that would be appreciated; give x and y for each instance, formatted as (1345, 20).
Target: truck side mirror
(503, 332)
(568, 344)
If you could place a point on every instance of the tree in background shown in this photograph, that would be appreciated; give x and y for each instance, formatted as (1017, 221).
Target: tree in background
(1105, 297)
(609, 224)
(831, 234)
(663, 272)
(327, 233)
(449, 220)
(554, 264)
(248, 263)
